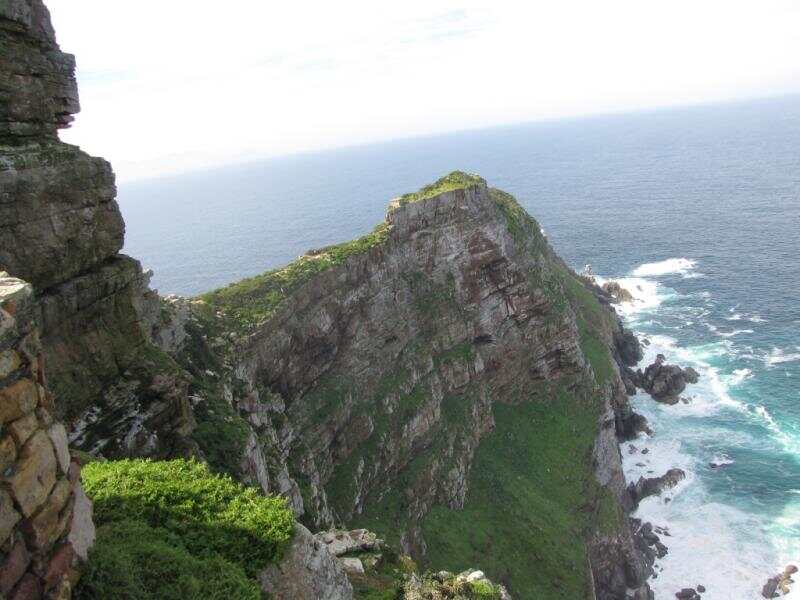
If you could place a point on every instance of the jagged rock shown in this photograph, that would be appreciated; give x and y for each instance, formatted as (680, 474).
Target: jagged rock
(352, 565)
(782, 582)
(665, 382)
(617, 292)
(308, 570)
(343, 542)
(652, 486)
(687, 594)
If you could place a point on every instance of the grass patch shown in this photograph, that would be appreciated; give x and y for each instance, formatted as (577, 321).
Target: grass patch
(457, 180)
(525, 516)
(211, 514)
(133, 561)
(252, 301)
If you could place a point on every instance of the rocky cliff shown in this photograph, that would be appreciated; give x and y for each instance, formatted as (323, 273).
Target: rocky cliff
(445, 374)
(61, 231)
(444, 380)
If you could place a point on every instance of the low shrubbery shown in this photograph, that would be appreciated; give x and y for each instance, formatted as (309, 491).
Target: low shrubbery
(175, 520)
(133, 561)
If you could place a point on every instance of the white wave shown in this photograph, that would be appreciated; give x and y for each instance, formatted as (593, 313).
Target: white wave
(727, 334)
(647, 295)
(721, 460)
(779, 356)
(734, 317)
(681, 266)
(757, 319)
(740, 375)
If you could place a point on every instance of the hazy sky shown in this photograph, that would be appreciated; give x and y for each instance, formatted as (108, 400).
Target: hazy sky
(174, 84)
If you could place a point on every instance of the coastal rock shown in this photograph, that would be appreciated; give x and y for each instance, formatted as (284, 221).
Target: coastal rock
(779, 583)
(617, 292)
(665, 382)
(652, 486)
(340, 543)
(308, 570)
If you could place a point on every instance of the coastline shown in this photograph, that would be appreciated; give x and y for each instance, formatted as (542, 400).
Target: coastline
(703, 535)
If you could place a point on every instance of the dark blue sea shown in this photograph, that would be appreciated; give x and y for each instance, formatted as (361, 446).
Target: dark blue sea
(696, 211)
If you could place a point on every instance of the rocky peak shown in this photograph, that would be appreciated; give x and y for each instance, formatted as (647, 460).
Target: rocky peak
(37, 80)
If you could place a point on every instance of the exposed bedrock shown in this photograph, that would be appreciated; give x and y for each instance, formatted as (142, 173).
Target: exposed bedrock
(665, 382)
(61, 230)
(652, 486)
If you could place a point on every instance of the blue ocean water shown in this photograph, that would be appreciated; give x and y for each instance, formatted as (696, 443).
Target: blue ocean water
(696, 210)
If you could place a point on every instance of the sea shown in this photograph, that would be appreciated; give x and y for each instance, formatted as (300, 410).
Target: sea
(694, 210)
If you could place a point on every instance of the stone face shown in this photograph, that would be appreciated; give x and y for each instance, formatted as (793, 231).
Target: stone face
(37, 81)
(47, 526)
(17, 400)
(58, 436)
(35, 475)
(308, 570)
(9, 517)
(14, 567)
(82, 530)
(63, 219)
(9, 362)
(23, 428)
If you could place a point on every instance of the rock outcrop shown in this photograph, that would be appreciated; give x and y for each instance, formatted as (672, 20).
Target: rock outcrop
(61, 231)
(45, 518)
(665, 382)
(309, 570)
(445, 372)
(651, 486)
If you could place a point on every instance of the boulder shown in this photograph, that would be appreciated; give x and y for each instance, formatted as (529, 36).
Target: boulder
(651, 486)
(340, 543)
(617, 292)
(665, 382)
(308, 570)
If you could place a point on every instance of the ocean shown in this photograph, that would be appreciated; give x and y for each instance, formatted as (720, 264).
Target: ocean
(695, 210)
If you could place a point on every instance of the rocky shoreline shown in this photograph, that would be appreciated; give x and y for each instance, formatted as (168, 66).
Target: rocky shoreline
(664, 383)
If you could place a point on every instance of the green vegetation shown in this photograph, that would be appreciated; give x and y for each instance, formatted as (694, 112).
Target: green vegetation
(526, 510)
(452, 587)
(211, 515)
(133, 561)
(457, 180)
(252, 301)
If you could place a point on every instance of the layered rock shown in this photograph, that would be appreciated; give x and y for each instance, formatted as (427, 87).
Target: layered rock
(61, 230)
(309, 570)
(45, 518)
(372, 384)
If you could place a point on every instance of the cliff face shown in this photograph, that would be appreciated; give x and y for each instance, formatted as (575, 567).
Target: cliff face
(445, 380)
(445, 374)
(61, 231)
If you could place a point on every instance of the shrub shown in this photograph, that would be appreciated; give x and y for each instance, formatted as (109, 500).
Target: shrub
(210, 514)
(133, 561)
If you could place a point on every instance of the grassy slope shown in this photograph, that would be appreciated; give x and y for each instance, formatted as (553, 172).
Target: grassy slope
(532, 494)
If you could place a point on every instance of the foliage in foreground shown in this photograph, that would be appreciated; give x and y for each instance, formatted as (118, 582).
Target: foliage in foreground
(211, 516)
(133, 561)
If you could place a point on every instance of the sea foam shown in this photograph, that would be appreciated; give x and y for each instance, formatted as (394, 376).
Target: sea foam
(681, 266)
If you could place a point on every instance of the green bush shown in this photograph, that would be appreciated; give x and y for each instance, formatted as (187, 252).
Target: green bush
(133, 561)
(210, 514)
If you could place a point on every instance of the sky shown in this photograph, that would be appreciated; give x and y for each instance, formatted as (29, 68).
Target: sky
(180, 85)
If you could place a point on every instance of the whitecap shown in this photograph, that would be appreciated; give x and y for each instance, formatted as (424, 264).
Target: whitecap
(680, 266)
(727, 334)
(739, 375)
(779, 356)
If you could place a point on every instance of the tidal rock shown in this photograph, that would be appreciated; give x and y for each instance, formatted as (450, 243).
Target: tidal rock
(652, 486)
(617, 292)
(665, 382)
(308, 570)
(687, 594)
